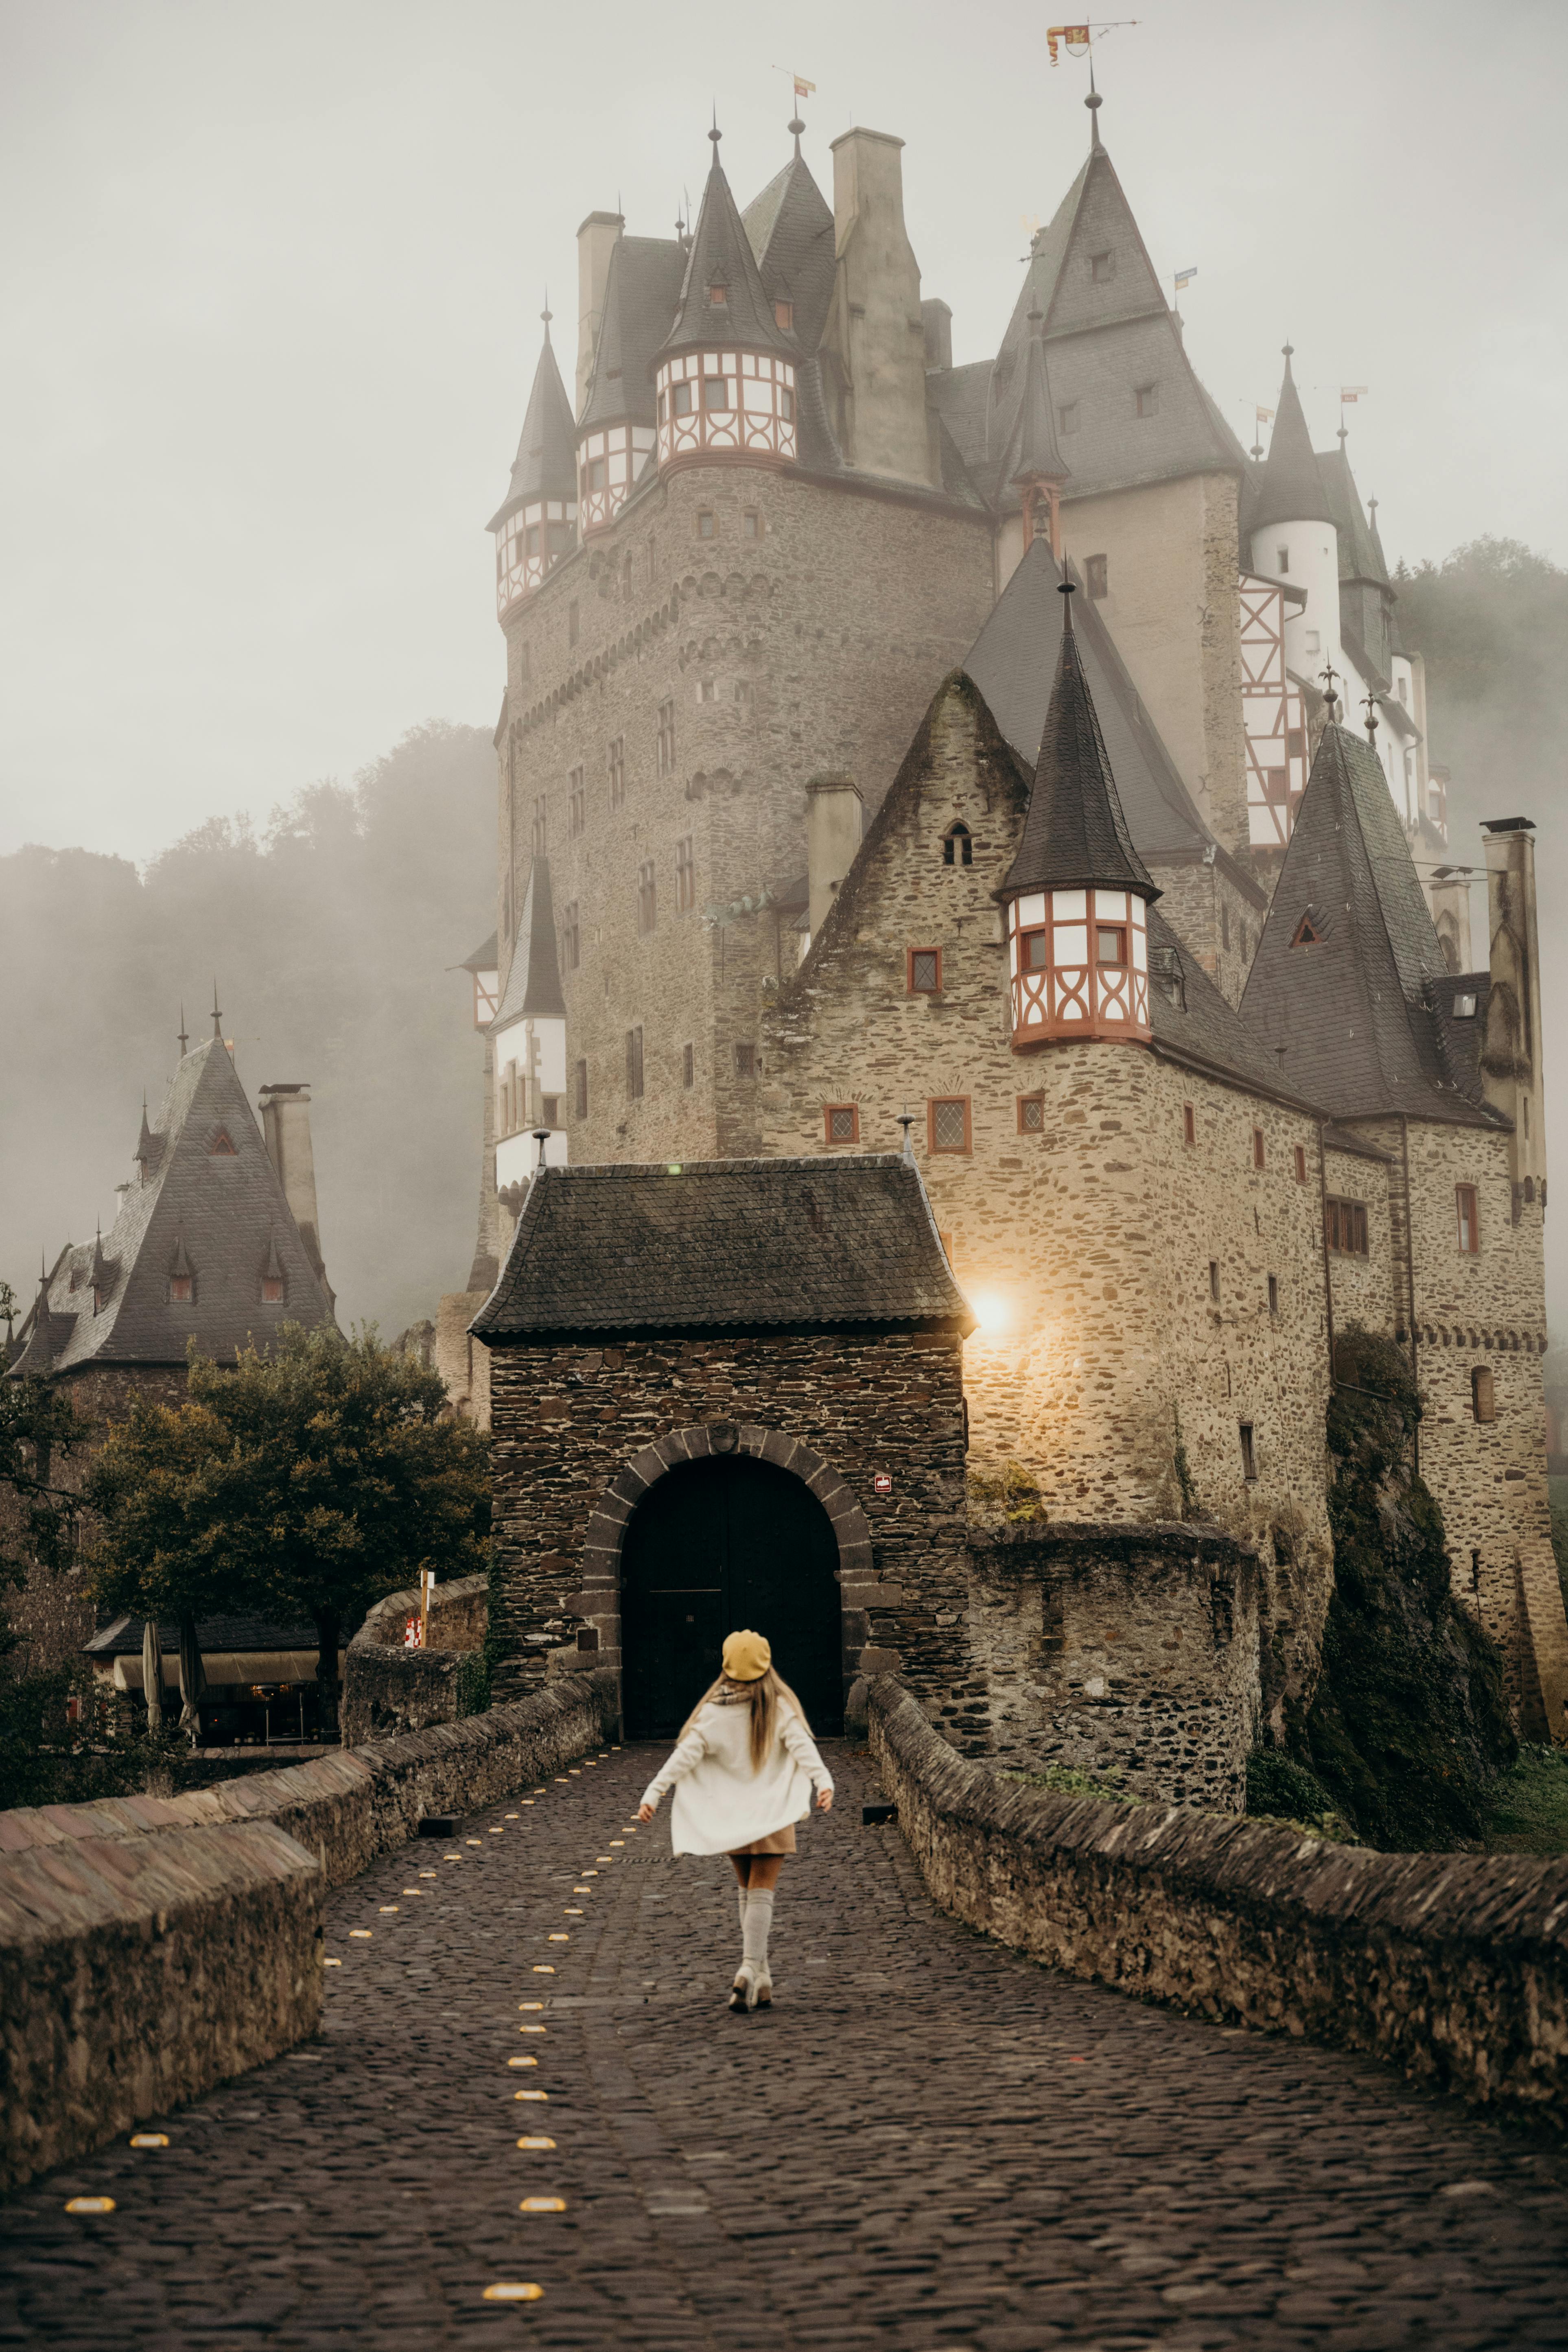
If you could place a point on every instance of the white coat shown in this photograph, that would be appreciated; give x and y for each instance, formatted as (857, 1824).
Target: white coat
(720, 1803)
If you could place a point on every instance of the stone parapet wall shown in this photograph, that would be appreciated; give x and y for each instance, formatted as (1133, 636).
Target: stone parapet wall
(152, 1946)
(388, 1689)
(1453, 1968)
(1124, 1651)
(136, 1971)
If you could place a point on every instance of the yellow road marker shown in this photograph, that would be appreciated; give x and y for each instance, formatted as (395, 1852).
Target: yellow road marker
(332, 1964)
(573, 1771)
(530, 2094)
(533, 2029)
(531, 2004)
(361, 1934)
(513, 2291)
(428, 1873)
(573, 1910)
(496, 1833)
(149, 2139)
(473, 1840)
(387, 1908)
(413, 1890)
(513, 1817)
(451, 1857)
(603, 1857)
(535, 2140)
(544, 1967)
(90, 2204)
(615, 1841)
(542, 1792)
(542, 2205)
(527, 1800)
(560, 1935)
(522, 2061)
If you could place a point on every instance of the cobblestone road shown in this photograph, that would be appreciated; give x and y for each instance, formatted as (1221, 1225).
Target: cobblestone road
(928, 2143)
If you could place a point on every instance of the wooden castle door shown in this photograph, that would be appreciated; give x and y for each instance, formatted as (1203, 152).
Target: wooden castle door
(717, 1545)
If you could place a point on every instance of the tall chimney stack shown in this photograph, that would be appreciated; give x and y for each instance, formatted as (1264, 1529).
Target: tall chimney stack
(835, 820)
(1511, 1054)
(596, 240)
(286, 1125)
(875, 324)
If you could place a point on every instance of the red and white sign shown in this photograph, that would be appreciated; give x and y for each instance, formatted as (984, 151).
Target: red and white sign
(881, 1484)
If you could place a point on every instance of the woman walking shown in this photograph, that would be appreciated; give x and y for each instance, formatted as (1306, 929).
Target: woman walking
(743, 1770)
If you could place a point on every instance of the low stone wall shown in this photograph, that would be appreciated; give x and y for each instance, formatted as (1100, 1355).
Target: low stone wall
(389, 1690)
(137, 1971)
(152, 1946)
(1125, 1652)
(1452, 1966)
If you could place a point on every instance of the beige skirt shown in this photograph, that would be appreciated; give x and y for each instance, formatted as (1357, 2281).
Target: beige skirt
(776, 1841)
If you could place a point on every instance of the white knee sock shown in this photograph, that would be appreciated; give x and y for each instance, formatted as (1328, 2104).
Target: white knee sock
(758, 1920)
(741, 1894)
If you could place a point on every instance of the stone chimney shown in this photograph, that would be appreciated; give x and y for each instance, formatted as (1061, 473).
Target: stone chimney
(1511, 1056)
(286, 1124)
(936, 321)
(874, 331)
(596, 240)
(835, 820)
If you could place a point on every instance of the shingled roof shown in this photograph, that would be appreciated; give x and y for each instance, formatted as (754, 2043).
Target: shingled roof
(1074, 832)
(545, 465)
(208, 1203)
(533, 990)
(1289, 485)
(1005, 664)
(790, 226)
(721, 254)
(642, 288)
(1364, 1005)
(1031, 452)
(725, 1244)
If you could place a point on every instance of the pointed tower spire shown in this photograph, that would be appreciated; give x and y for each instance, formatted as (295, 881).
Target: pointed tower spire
(1032, 463)
(725, 374)
(536, 523)
(1094, 102)
(147, 1144)
(184, 1033)
(217, 1016)
(1289, 487)
(1077, 894)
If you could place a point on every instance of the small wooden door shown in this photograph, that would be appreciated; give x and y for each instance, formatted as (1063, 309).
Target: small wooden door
(718, 1545)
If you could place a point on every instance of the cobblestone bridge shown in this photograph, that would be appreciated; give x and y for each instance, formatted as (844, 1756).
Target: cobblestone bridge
(527, 2078)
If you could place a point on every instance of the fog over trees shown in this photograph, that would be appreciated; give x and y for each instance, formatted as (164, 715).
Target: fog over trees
(329, 929)
(332, 926)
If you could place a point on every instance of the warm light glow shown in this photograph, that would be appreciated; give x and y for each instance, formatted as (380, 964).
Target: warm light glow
(993, 1310)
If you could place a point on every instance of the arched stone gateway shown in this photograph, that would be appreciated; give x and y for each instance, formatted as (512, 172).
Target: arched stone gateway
(716, 1525)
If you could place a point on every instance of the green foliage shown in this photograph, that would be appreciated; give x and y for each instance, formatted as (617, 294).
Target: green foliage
(37, 1424)
(1529, 1806)
(46, 1758)
(472, 1683)
(331, 929)
(1004, 1494)
(308, 1482)
(1289, 1796)
(1064, 1781)
(1409, 1728)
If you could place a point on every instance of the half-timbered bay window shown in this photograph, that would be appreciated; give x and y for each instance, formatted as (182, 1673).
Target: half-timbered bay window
(1078, 964)
(608, 464)
(741, 402)
(528, 542)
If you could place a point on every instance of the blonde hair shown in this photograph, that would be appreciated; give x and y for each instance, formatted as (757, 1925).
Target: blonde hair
(764, 1697)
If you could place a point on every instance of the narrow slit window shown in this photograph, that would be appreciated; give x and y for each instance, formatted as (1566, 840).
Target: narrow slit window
(580, 1090)
(1258, 1147)
(1214, 1278)
(1469, 1220)
(634, 1064)
(1483, 1393)
(1189, 1124)
(1274, 1294)
(689, 1065)
(1249, 1452)
(745, 1061)
(1301, 1164)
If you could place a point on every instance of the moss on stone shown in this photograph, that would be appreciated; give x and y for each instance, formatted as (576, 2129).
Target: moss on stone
(1408, 1729)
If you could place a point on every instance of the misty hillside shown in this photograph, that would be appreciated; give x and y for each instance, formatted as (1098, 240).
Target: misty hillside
(329, 932)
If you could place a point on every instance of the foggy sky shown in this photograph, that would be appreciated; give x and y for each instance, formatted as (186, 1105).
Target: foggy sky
(272, 276)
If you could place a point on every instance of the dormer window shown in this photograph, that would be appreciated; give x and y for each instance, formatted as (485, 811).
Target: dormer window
(1101, 267)
(1147, 399)
(1307, 934)
(1067, 416)
(221, 1148)
(718, 293)
(783, 316)
(182, 1290)
(1464, 1008)
(273, 1290)
(1282, 559)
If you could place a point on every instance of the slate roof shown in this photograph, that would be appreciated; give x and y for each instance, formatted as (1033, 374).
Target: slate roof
(642, 286)
(545, 465)
(1031, 453)
(225, 1209)
(1107, 337)
(721, 251)
(1074, 831)
(790, 226)
(533, 990)
(484, 959)
(215, 1634)
(1007, 663)
(1289, 483)
(1193, 1023)
(1356, 1010)
(725, 1244)
(1360, 556)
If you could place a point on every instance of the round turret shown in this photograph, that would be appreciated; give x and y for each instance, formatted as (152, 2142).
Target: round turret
(725, 379)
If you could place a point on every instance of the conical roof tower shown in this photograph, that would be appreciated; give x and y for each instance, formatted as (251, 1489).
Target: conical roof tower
(1077, 894)
(536, 524)
(1033, 466)
(1289, 487)
(725, 377)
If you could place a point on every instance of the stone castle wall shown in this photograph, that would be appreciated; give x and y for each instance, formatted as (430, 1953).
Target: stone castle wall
(810, 646)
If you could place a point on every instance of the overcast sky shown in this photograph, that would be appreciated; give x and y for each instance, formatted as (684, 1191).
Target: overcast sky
(272, 271)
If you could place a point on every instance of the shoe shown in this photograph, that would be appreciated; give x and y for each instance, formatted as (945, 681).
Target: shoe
(743, 1992)
(765, 1990)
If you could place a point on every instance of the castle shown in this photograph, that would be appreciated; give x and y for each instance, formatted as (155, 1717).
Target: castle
(817, 824)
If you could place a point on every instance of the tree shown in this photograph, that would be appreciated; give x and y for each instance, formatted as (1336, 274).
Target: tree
(36, 1516)
(307, 1482)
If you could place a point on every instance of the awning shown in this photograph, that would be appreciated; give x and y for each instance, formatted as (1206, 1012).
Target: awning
(230, 1667)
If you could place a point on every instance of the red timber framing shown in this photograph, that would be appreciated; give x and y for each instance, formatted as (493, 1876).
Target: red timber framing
(1272, 717)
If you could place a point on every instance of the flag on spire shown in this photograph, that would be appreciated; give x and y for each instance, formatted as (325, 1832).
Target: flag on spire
(1075, 37)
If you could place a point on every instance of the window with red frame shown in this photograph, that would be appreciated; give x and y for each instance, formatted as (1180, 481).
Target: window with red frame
(923, 973)
(1469, 1220)
(1258, 1147)
(841, 1122)
(1301, 1164)
(1031, 1114)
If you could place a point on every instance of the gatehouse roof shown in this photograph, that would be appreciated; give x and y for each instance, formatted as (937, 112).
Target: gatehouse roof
(807, 1244)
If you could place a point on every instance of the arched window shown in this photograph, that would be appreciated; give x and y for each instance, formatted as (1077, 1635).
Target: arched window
(957, 848)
